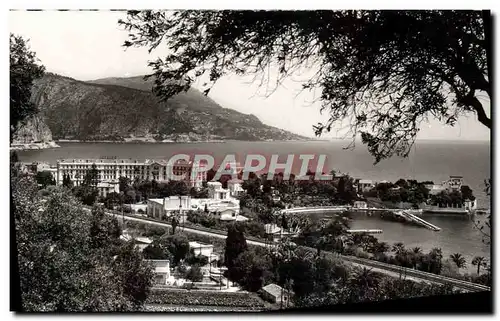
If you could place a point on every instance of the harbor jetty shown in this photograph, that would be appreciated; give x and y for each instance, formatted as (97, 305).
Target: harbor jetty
(367, 231)
(406, 214)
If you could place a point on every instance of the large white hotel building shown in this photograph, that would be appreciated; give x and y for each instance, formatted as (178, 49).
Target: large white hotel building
(111, 169)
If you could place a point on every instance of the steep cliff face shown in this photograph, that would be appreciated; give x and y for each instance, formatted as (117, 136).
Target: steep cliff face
(119, 108)
(35, 130)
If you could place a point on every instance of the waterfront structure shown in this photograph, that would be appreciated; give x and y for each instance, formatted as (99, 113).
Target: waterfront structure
(365, 231)
(111, 169)
(454, 183)
(468, 207)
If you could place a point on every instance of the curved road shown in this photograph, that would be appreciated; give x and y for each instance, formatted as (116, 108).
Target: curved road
(388, 269)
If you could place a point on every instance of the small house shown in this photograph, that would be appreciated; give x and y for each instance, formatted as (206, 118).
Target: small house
(234, 187)
(201, 249)
(364, 185)
(140, 242)
(276, 294)
(360, 204)
(228, 215)
(161, 271)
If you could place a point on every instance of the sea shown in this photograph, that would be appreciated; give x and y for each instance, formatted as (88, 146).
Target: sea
(428, 160)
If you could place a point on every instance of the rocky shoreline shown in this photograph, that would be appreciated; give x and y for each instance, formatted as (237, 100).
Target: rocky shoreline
(34, 146)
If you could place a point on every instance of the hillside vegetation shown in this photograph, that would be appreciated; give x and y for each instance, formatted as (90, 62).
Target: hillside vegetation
(119, 108)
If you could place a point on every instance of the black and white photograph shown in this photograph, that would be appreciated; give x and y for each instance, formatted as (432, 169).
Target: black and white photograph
(251, 161)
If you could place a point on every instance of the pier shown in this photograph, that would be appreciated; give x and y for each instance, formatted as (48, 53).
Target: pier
(340, 209)
(372, 231)
(409, 216)
(316, 209)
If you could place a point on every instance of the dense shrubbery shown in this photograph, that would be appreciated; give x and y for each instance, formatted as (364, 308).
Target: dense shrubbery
(411, 191)
(194, 274)
(231, 299)
(71, 259)
(193, 259)
(319, 279)
(332, 236)
(363, 286)
(200, 218)
(279, 192)
(140, 190)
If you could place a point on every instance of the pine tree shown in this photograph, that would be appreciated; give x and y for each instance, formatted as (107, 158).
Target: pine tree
(235, 245)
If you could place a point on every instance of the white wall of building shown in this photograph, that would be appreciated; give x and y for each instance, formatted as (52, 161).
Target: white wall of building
(110, 170)
(201, 249)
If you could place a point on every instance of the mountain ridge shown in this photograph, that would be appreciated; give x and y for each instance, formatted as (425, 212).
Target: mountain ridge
(124, 109)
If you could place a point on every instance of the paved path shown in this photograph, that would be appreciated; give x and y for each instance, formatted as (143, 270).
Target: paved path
(388, 269)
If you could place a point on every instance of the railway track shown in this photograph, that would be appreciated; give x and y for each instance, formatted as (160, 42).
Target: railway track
(415, 274)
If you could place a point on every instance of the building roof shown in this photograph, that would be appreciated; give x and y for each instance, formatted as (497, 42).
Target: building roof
(365, 181)
(200, 245)
(274, 289)
(129, 161)
(227, 217)
(105, 184)
(161, 266)
(145, 240)
(127, 237)
(156, 200)
(272, 228)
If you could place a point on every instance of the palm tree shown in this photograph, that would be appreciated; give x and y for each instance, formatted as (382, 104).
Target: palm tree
(365, 281)
(398, 248)
(417, 250)
(436, 253)
(458, 259)
(479, 261)
(382, 247)
(415, 256)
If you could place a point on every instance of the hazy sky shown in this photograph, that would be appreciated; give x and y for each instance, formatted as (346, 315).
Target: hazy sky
(88, 45)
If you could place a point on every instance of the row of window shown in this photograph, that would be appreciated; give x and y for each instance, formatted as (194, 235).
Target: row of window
(81, 175)
(129, 167)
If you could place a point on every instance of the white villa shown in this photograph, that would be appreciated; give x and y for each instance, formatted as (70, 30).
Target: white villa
(454, 183)
(365, 185)
(234, 187)
(216, 192)
(226, 208)
(140, 242)
(360, 204)
(206, 250)
(158, 207)
(202, 249)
